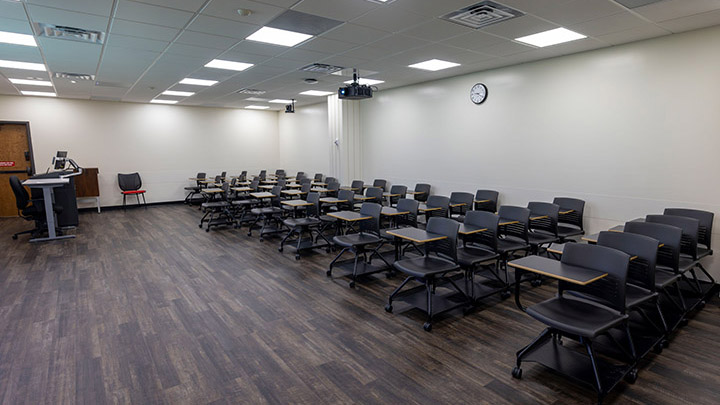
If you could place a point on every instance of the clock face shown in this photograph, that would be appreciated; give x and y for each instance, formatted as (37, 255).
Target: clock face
(478, 93)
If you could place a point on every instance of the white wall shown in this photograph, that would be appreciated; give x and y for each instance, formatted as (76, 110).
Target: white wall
(630, 129)
(304, 142)
(165, 144)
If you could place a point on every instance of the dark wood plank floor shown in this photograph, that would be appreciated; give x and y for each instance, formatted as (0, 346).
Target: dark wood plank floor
(144, 307)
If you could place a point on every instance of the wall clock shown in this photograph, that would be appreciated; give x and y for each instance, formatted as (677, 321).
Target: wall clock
(478, 93)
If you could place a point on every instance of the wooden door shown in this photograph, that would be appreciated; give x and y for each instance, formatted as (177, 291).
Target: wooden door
(15, 160)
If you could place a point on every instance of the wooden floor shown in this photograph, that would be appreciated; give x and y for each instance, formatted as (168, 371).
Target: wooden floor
(144, 307)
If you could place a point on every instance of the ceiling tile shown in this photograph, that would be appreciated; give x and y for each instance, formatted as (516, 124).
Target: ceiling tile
(206, 40)
(636, 34)
(355, 34)
(519, 27)
(391, 19)
(671, 9)
(258, 48)
(20, 53)
(17, 26)
(244, 57)
(187, 5)
(149, 14)
(326, 45)
(577, 11)
(343, 10)
(398, 43)
(193, 51)
(506, 48)
(369, 52)
(214, 74)
(285, 64)
(141, 30)
(609, 24)
(223, 27)
(70, 56)
(99, 7)
(437, 30)
(261, 13)
(476, 41)
(692, 22)
(303, 55)
(144, 44)
(13, 10)
(124, 66)
(55, 16)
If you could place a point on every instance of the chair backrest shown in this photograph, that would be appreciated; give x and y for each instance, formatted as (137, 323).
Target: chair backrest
(129, 182)
(574, 218)
(333, 188)
(314, 209)
(358, 186)
(222, 176)
(276, 192)
(375, 193)
(411, 206)
(279, 172)
(22, 198)
(318, 177)
(644, 249)
(447, 247)
(329, 180)
(397, 189)
(490, 205)
(254, 184)
(690, 230)
(704, 217)
(518, 230)
(370, 225)
(424, 190)
(349, 196)
(282, 183)
(435, 201)
(225, 187)
(459, 197)
(544, 209)
(263, 175)
(380, 183)
(200, 176)
(300, 175)
(305, 188)
(233, 182)
(487, 220)
(218, 179)
(305, 180)
(669, 236)
(610, 290)
(243, 176)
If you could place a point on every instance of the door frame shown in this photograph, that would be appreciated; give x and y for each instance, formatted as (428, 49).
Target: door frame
(29, 140)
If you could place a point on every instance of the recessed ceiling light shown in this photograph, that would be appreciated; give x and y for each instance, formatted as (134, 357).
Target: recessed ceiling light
(198, 82)
(228, 65)
(317, 93)
(178, 93)
(280, 101)
(434, 65)
(38, 93)
(369, 82)
(17, 39)
(257, 107)
(22, 65)
(31, 82)
(278, 37)
(159, 101)
(552, 37)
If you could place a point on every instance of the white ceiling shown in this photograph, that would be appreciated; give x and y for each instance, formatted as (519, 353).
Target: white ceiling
(153, 44)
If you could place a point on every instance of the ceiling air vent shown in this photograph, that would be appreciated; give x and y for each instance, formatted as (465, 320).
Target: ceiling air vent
(482, 14)
(73, 76)
(321, 68)
(69, 33)
(251, 91)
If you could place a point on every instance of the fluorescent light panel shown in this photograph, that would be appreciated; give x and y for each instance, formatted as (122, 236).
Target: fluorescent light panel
(177, 93)
(369, 82)
(434, 65)
(160, 101)
(198, 82)
(257, 107)
(31, 82)
(22, 65)
(280, 101)
(278, 37)
(552, 37)
(228, 65)
(316, 93)
(38, 93)
(17, 39)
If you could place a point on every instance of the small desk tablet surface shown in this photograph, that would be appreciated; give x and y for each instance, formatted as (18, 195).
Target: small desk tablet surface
(212, 190)
(363, 198)
(349, 188)
(416, 235)
(319, 190)
(292, 192)
(318, 183)
(565, 212)
(332, 200)
(481, 201)
(415, 192)
(268, 181)
(536, 217)
(557, 270)
(266, 187)
(559, 248)
(457, 205)
(241, 189)
(505, 221)
(196, 179)
(243, 183)
(428, 209)
(296, 203)
(293, 185)
(262, 195)
(469, 229)
(349, 216)
(389, 211)
(392, 195)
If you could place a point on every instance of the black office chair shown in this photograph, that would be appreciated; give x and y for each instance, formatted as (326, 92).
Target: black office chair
(376, 193)
(366, 240)
(30, 210)
(318, 177)
(358, 186)
(271, 215)
(704, 240)
(218, 213)
(513, 237)
(333, 188)
(299, 175)
(348, 198)
(460, 203)
(263, 175)
(195, 190)
(380, 183)
(403, 221)
(397, 189)
(542, 229)
(131, 184)
(438, 263)
(488, 200)
(437, 201)
(479, 254)
(310, 224)
(570, 223)
(688, 258)
(304, 180)
(329, 180)
(243, 176)
(568, 316)
(423, 191)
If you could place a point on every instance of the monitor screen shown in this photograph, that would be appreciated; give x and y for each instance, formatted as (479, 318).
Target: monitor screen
(61, 154)
(59, 160)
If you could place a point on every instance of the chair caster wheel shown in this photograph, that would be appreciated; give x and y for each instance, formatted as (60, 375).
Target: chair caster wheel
(15, 237)
(666, 343)
(351, 284)
(684, 322)
(517, 372)
(536, 283)
(701, 305)
(249, 233)
(467, 310)
(262, 240)
(297, 257)
(388, 308)
(200, 226)
(207, 230)
(658, 349)
(280, 249)
(328, 273)
(632, 376)
(427, 326)
(505, 295)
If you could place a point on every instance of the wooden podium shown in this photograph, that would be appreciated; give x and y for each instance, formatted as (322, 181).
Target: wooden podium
(86, 185)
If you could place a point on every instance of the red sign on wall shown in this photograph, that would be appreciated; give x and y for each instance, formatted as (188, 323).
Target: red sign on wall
(7, 164)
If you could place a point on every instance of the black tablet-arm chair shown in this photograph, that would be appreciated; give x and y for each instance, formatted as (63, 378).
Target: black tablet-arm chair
(570, 222)
(380, 183)
(397, 189)
(569, 316)
(30, 210)
(194, 190)
(318, 177)
(376, 193)
(404, 221)
(460, 203)
(704, 240)
(479, 254)
(423, 191)
(487, 200)
(358, 186)
(271, 215)
(333, 188)
(437, 201)
(513, 237)
(439, 261)
(543, 228)
(348, 198)
(367, 240)
(310, 225)
(218, 212)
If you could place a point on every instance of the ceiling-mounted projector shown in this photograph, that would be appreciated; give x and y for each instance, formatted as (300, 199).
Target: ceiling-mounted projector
(355, 90)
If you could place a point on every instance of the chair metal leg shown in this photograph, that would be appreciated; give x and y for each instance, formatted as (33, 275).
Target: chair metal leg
(144, 201)
(591, 354)
(430, 288)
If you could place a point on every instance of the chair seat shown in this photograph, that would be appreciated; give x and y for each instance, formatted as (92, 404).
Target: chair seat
(576, 316)
(215, 204)
(471, 256)
(133, 192)
(425, 267)
(686, 263)
(664, 277)
(327, 218)
(635, 295)
(266, 211)
(509, 245)
(296, 222)
(567, 231)
(356, 239)
(702, 252)
(245, 202)
(195, 188)
(540, 238)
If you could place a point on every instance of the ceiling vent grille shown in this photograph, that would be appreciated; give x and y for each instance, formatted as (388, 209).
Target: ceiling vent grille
(69, 33)
(482, 14)
(251, 91)
(73, 76)
(321, 68)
